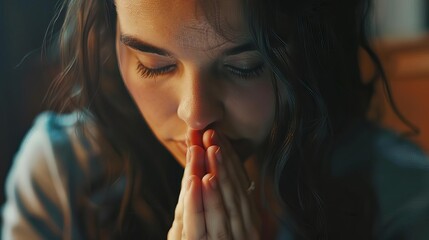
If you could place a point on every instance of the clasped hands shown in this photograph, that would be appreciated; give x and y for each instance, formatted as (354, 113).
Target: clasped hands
(214, 202)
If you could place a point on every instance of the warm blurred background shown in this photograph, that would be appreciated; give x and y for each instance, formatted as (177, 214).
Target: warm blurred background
(401, 31)
(401, 38)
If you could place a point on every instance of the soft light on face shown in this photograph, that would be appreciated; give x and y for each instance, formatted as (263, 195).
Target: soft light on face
(183, 74)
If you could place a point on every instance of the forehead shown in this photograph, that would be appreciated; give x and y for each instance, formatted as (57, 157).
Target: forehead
(190, 23)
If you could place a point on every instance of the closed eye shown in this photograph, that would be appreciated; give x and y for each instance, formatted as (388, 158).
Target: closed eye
(243, 73)
(246, 73)
(147, 72)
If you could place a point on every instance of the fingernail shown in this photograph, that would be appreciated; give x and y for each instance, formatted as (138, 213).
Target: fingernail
(213, 183)
(218, 155)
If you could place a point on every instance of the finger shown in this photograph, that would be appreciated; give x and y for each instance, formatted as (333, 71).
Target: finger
(236, 170)
(249, 215)
(196, 163)
(194, 226)
(175, 231)
(194, 137)
(230, 196)
(233, 165)
(216, 219)
(194, 166)
(212, 137)
(207, 138)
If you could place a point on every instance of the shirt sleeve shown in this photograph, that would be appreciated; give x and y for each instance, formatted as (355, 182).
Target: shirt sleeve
(37, 194)
(403, 186)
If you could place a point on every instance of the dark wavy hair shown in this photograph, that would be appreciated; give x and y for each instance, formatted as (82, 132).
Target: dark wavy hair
(312, 48)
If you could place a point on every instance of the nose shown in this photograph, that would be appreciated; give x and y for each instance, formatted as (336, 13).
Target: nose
(200, 102)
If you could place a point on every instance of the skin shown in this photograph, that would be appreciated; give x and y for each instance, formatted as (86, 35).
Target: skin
(210, 118)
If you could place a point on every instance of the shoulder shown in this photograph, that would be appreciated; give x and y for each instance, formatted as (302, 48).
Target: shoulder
(390, 175)
(51, 167)
(400, 177)
(60, 141)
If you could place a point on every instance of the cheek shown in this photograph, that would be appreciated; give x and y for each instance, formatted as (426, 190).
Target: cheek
(254, 108)
(155, 109)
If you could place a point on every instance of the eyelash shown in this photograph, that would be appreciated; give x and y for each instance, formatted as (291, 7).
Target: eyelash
(246, 73)
(153, 72)
(146, 72)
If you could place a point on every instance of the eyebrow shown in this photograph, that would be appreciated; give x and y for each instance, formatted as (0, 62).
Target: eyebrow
(140, 45)
(248, 46)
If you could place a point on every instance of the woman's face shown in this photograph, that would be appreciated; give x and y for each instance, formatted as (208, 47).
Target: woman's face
(184, 75)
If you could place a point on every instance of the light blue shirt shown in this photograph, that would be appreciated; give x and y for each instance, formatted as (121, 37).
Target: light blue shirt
(380, 176)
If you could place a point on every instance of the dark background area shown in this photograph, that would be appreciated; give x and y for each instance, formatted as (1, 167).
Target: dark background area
(25, 73)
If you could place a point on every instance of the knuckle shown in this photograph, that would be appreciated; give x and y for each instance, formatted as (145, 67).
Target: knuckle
(178, 223)
(217, 207)
(178, 215)
(203, 236)
(222, 235)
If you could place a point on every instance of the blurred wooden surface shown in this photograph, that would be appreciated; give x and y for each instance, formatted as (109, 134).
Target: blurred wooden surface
(407, 67)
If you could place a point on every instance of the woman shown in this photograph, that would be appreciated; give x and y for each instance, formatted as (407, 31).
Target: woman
(220, 119)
